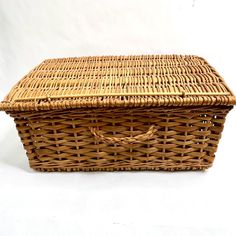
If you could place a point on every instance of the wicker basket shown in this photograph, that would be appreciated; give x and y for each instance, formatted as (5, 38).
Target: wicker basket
(149, 112)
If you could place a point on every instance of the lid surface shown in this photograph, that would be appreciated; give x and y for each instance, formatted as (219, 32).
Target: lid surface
(151, 80)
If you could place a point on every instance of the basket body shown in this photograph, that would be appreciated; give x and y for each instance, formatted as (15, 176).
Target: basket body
(143, 112)
(186, 138)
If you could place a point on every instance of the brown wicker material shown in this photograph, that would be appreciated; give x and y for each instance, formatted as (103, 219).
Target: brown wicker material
(120, 113)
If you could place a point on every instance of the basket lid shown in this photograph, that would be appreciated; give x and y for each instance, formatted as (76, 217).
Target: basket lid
(151, 80)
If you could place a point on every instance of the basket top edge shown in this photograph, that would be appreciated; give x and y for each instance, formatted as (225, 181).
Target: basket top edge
(123, 80)
(101, 102)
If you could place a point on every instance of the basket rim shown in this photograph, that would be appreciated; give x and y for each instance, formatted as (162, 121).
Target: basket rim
(150, 102)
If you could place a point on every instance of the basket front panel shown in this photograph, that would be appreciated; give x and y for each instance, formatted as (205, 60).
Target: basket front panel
(185, 138)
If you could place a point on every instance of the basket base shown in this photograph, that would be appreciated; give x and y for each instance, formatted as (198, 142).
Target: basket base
(170, 169)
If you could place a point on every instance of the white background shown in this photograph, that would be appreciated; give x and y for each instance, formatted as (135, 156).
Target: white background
(121, 203)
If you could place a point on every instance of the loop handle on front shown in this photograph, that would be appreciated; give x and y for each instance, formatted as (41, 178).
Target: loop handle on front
(126, 140)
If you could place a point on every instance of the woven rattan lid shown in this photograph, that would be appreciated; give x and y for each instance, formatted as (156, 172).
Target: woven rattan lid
(110, 81)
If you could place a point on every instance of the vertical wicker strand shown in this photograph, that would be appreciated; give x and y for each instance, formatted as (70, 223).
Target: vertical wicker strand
(148, 142)
(76, 138)
(56, 139)
(165, 137)
(114, 134)
(185, 140)
(131, 130)
(96, 142)
(204, 137)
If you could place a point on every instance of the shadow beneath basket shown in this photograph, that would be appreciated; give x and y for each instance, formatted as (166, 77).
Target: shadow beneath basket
(12, 151)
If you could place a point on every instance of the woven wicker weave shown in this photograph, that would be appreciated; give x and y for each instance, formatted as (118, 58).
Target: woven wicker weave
(120, 113)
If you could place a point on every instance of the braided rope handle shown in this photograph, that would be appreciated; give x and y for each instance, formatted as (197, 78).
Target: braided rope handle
(126, 140)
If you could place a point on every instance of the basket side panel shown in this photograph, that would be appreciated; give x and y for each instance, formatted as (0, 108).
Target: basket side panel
(25, 133)
(186, 138)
